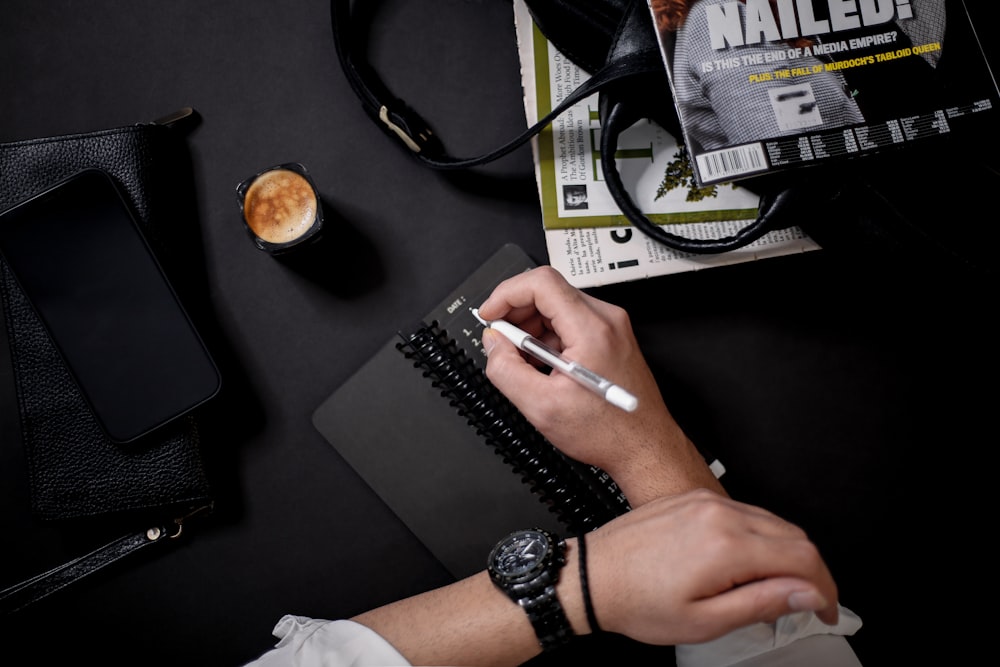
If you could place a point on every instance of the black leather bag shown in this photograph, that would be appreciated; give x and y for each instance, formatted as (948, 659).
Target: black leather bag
(868, 210)
(613, 40)
(75, 473)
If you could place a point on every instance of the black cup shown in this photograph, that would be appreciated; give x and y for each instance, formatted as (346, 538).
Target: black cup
(281, 208)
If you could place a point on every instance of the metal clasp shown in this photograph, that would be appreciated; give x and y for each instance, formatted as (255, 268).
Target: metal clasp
(383, 115)
(179, 522)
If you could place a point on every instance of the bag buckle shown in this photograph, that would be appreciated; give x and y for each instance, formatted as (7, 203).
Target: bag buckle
(410, 128)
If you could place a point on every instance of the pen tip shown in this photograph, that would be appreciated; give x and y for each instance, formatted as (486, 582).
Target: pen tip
(475, 313)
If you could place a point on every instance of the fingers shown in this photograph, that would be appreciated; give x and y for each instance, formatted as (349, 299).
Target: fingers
(542, 288)
(780, 575)
(544, 305)
(762, 601)
(768, 546)
(540, 395)
(698, 565)
(596, 334)
(543, 292)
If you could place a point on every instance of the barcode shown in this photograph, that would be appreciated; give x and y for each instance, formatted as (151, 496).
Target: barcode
(730, 162)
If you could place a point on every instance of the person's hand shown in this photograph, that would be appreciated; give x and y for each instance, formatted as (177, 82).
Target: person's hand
(644, 451)
(692, 567)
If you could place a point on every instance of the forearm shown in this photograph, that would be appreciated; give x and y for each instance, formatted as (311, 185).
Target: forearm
(682, 569)
(669, 475)
(471, 622)
(660, 460)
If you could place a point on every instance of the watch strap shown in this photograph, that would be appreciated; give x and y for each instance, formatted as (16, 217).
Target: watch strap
(548, 618)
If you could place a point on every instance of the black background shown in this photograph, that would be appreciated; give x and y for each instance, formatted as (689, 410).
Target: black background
(855, 400)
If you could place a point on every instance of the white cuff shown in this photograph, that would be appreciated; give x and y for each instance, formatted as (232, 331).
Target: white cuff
(307, 642)
(762, 641)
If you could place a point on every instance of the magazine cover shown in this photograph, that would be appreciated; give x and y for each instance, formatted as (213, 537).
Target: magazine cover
(764, 85)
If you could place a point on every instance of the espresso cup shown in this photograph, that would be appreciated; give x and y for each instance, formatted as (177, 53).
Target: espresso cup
(281, 209)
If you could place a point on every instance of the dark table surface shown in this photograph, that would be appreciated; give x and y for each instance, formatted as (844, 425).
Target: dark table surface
(856, 401)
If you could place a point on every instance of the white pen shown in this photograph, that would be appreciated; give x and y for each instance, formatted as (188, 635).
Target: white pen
(611, 392)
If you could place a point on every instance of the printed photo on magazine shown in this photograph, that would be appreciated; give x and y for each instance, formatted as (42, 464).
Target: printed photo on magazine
(765, 85)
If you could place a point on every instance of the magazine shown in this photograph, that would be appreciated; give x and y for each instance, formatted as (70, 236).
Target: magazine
(589, 240)
(766, 85)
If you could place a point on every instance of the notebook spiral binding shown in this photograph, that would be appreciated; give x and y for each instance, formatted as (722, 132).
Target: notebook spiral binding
(582, 497)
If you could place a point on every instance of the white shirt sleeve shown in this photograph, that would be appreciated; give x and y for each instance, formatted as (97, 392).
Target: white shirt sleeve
(307, 642)
(795, 639)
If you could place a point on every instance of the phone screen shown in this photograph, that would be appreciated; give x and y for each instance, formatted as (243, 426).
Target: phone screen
(83, 263)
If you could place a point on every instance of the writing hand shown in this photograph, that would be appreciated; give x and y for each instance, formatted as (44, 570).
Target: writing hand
(645, 451)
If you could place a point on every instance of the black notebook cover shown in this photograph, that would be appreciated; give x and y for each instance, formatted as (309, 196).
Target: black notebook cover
(429, 465)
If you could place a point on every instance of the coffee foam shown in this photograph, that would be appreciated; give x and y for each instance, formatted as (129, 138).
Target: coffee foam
(280, 206)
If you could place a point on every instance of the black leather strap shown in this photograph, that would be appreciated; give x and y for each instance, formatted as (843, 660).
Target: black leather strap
(631, 84)
(617, 117)
(42, 585)
(619, 110)
(407, 126)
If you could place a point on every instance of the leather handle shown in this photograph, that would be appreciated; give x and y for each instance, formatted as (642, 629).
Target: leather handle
(405, 124)
(633, 67)
(616, 117)
(40, 586)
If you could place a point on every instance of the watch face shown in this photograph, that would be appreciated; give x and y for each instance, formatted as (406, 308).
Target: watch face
(520, 553)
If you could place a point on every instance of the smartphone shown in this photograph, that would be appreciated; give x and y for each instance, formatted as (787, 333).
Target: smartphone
(81, 259)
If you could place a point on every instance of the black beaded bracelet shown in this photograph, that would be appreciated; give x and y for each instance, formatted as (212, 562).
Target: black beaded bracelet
(588, 604)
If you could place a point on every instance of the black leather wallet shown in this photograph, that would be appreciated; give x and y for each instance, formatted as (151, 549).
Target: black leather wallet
(74, 470)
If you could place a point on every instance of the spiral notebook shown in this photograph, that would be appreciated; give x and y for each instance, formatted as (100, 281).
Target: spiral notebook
(455, 461)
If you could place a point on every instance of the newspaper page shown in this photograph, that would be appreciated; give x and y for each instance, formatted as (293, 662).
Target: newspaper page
(589, 240)
(762, 86)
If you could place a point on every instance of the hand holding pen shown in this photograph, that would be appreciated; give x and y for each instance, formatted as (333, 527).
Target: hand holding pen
(525, 342)
(644, 450)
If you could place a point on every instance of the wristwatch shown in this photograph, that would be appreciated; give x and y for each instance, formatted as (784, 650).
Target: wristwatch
(526, 565)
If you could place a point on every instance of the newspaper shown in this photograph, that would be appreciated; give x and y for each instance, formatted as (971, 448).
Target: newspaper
(588, 239)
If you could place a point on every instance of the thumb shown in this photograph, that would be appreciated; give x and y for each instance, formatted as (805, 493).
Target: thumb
(490, 338)
(510, 372)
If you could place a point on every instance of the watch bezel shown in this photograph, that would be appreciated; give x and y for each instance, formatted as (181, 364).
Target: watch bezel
(502, 573)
